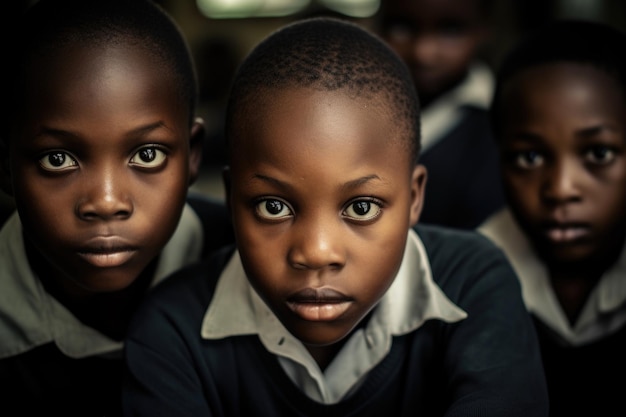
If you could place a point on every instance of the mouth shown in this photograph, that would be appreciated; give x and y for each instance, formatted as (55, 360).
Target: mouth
(322, 304)
(107, 252)
(565, 232)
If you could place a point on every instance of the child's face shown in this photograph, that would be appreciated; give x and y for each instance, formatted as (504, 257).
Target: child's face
(100, 164)
(322, 198)
(563, 136)
(437, 39)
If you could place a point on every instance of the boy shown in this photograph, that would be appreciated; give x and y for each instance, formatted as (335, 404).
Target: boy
(331, 304)
(101, 146)
(560, 121)
(440, 41)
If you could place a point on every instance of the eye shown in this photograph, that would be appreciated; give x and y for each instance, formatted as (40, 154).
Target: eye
(57, 161)
(398, 31)
(363, 210)
(528, 159)
(149, 157)
(272, 208)
(453, 28)
(600, 155)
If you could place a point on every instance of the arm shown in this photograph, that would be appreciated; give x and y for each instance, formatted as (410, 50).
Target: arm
(166, 374)
(493, 356)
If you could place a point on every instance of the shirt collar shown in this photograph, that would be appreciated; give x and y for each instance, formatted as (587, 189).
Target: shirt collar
(30, 317)
(604, 311)
(412, 299)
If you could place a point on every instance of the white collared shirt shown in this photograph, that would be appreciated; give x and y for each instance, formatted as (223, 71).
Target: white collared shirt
(444, 114)
(604, 311)
(30, 317)
(412, 299)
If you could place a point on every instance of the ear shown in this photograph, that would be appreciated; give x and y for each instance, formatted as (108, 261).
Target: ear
(226, 181)
(196, 142)
(418, 184)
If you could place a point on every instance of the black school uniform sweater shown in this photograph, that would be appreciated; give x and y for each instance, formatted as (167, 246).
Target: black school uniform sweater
(485, 365)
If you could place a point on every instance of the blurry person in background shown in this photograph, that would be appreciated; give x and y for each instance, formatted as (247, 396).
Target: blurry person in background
(559, 115)
(440, 41)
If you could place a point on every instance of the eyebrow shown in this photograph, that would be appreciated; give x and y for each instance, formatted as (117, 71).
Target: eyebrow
(352, 184)
(587, 131)
(591, 131)
(139, 131)
(360, 181)
(142, 130)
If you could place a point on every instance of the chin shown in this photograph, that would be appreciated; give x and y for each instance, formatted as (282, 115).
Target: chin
(319, 335)
(108, 282)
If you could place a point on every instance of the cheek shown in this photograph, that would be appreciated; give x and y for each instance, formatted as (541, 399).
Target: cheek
(255, 244)
(41, 202)
(159, 205)
(375, 262)
(522, 193)
(459, 55)
(611, 203)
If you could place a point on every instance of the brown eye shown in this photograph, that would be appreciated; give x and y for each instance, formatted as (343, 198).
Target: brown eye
(273, 209)
(363, 210)
(57, 161)
(149, 157)
(528, 159)
(600, 155)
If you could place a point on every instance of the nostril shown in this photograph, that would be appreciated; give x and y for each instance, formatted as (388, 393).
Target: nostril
(103, 209)
(298, 266)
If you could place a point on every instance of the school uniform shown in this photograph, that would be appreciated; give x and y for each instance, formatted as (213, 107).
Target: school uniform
(450, 335)
(585, 362)
(51, 362)
(458, 149)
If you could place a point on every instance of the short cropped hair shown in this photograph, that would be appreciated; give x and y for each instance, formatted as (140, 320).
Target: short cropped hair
(51, 24)
(568, 40)
(327, 54)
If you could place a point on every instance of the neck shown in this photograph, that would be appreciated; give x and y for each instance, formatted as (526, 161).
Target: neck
(574, 283)
(324, 355)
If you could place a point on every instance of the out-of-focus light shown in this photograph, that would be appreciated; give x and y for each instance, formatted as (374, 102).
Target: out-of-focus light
(354, 8)
(232, 9)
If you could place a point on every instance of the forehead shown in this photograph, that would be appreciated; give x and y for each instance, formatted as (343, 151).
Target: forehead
(282, 123)
(81, 73)
(85, 60)
(98, 92)
(564, 86)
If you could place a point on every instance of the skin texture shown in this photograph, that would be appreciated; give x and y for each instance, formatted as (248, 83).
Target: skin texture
(100, 165)
(301, 164)
(563, 143)
(437, 39)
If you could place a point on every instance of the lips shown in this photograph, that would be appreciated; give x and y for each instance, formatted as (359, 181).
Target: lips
(565, 232)
(321, 304)
(107, 252)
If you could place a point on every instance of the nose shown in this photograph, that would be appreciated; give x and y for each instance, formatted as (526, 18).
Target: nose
(562, 183)
(105, 196)
(317, 244)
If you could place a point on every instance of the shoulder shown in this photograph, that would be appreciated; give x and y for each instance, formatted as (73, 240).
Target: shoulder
(446, 244)
(182, 299)
(465, 263)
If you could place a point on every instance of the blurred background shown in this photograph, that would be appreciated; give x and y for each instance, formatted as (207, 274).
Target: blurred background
(222, 32)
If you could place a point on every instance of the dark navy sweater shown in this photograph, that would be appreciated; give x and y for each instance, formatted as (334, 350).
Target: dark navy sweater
(485, 365)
